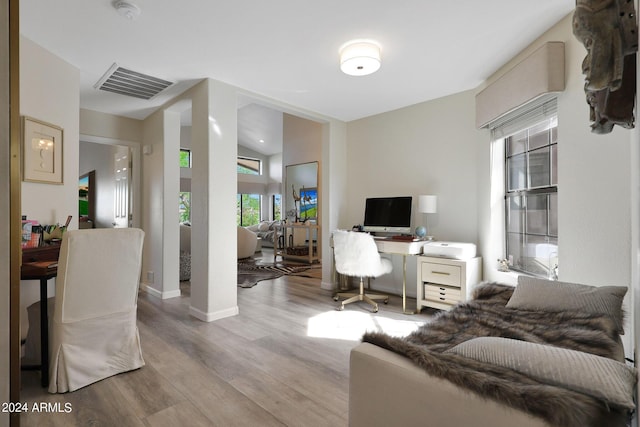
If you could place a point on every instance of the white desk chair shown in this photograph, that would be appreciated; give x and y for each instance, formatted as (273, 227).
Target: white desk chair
(356, 254)
(94, 333)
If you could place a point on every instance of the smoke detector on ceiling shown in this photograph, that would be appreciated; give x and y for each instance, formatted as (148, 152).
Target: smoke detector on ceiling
(127, 9)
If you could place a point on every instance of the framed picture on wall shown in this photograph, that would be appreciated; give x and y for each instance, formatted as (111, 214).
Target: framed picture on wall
(41, 151)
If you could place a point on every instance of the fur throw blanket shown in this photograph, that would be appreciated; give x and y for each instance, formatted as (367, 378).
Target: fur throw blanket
(487, 316)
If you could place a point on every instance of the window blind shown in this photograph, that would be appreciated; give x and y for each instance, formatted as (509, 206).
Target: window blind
(523, 117)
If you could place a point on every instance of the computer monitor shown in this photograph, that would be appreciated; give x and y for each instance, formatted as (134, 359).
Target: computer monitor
(388, 214)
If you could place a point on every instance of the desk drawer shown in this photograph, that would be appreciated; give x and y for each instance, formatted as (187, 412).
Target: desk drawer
(432, 290)
(441, 274)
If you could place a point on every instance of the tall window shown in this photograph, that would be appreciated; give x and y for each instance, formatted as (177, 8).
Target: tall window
(530, 137)
(531, 198)
(248, 209)
(277, 207)
(249, 166)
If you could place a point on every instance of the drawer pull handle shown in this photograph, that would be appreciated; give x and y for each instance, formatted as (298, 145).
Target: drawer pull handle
(441, 299)
(441, 272)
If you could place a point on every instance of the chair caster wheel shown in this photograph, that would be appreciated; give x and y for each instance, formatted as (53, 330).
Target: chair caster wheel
(375, 309)
(340, 308)
(386, 301)
(335, 298)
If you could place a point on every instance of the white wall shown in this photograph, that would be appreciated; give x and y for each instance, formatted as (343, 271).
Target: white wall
(103, 125)
(428, 148)
(152, 200)
(49, 91)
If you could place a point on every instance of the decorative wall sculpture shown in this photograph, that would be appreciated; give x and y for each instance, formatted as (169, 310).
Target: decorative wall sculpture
(609, 31)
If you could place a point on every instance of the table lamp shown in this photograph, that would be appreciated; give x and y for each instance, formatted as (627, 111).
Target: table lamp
(426, 204)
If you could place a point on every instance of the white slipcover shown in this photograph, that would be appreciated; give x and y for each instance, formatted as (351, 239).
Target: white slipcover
(94, 333)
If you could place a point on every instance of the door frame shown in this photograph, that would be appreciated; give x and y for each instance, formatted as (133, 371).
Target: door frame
(136, 172)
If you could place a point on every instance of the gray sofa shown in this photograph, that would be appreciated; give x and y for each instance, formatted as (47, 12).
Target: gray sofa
(523, 357)
(265, 230)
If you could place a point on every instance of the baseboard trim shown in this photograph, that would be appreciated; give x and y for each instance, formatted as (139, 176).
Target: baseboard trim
(327, 285)
(158, 294)
(216, 315)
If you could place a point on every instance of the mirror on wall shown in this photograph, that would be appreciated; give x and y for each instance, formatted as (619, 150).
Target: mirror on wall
(301, 192)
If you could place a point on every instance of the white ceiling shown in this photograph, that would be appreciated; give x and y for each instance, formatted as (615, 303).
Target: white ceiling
(287, 50)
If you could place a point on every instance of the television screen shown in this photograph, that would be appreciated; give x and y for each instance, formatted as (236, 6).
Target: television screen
(388, 214)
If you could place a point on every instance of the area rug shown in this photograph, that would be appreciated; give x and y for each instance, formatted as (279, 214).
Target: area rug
(250, 272)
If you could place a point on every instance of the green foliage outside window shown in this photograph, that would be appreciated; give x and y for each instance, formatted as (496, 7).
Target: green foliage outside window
(277, 207)
(248, 209)
(184, 206)
(185, 158)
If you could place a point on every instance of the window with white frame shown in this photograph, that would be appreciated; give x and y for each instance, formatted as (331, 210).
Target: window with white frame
(531, 189)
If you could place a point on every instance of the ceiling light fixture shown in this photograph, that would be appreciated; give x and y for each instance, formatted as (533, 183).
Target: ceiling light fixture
(360, 57)
(127, 9)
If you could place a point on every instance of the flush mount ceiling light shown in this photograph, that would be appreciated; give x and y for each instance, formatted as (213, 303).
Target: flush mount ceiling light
(360, 57)
(127, 9)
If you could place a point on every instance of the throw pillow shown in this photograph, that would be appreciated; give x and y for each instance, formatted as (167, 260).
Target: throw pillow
(546, 295)
(263, 226)
(586, 373)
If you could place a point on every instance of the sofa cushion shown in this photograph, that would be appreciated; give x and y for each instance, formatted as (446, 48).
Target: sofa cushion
(538, 294)
(596, 376)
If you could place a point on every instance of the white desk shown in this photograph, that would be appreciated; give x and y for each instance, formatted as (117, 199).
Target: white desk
(399, 247)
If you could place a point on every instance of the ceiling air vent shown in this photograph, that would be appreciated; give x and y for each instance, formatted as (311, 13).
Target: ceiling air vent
(130, 83)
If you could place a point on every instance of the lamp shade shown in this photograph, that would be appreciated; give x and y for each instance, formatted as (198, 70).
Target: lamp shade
(427, 204)
(359, 58)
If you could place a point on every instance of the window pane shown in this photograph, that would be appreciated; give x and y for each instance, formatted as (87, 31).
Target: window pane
(517, 172)
(539, 135)
(515, 214)
(249, 166)
(185, 158)
(554, 164)
(277, 207)
(541, 255)
(517, 143)
(184, 206)
(248, 209)
(553, 214)
(537, 214)
(539, 173)
(515, 246)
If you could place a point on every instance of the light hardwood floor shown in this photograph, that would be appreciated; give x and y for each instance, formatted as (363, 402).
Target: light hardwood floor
(283, 361)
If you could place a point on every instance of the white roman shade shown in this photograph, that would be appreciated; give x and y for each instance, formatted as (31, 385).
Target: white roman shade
(537, 76)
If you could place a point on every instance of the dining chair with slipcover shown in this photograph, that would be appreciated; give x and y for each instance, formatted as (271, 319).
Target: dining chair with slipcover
(94, 324)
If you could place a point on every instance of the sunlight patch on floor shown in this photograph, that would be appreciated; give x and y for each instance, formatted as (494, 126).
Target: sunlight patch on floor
(351, 325)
